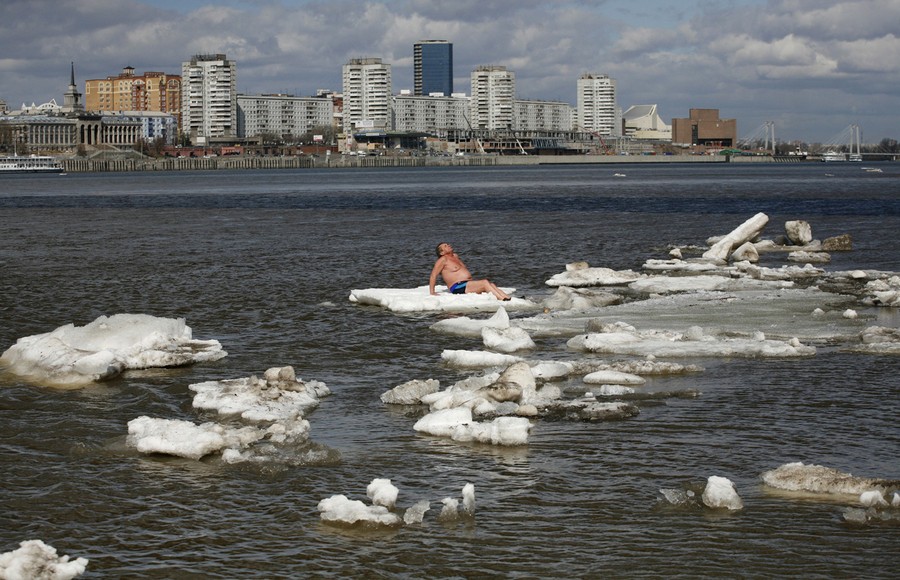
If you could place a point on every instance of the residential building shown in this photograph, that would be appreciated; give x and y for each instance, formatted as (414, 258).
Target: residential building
(433, 68)
(533, 115)
(151, 91)
(367, 94)
(644, 122)
(597, 109)
(284, 116)
(209, 99)
(493, 96)
(430, 114)
(704, 128)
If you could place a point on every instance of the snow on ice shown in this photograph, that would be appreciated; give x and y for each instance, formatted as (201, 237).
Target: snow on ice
(72, 356)
(35, 560)
(383, 512)
(406, 300)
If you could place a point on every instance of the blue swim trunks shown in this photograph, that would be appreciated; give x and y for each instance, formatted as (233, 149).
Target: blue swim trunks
(459, 287)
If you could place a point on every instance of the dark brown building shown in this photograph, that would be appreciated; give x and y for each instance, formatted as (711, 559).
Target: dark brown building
(704, 127)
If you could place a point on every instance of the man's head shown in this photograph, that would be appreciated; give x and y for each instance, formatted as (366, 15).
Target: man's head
(443, 248)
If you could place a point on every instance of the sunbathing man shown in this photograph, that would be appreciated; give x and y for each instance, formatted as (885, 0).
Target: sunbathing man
(457, 277)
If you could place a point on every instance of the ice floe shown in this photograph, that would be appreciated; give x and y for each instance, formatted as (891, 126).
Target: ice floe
(580, 274)
(73, 356)
(35, 560)
(262, 421)
(409, 300)
(720, 493)
(818, 479)
(883, 292)
(340, 510)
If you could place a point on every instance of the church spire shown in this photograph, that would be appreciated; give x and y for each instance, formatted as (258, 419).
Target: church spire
(72, 98)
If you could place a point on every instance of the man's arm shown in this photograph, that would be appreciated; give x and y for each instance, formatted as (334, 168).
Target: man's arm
(438, 266)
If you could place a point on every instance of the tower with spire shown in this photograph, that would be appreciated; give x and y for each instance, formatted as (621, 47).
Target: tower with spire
(72, 98)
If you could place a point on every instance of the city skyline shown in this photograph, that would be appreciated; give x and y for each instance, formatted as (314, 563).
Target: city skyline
(811, 67)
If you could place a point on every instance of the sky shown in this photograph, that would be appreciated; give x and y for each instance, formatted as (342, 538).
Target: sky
(810, 67)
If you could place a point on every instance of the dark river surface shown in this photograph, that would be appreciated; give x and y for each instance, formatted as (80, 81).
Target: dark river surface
(264, 262)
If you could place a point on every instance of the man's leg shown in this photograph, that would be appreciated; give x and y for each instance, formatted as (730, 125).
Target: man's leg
(479, 286)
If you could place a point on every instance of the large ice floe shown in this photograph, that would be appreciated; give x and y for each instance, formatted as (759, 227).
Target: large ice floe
(409, 300)
(872, 500)
(35, 560)
(73, 356)
(261, 420)
(339, 510)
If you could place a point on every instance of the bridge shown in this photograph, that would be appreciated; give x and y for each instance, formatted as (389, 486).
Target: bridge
(847, 143)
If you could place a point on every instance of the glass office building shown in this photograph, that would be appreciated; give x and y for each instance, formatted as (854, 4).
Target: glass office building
(433, 67)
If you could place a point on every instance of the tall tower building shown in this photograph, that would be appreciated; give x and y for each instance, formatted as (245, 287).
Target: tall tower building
(493, 98)
(367, 94)
(597, 109)
(72, 98)
(433, 67)
(152, 91)
(209, 98)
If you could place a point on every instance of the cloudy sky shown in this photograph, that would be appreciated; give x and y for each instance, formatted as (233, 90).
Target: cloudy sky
(813, 67)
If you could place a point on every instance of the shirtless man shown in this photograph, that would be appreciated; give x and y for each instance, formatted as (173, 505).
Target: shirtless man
(457, 277)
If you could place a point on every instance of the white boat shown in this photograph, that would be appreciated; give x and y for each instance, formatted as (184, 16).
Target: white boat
(30, 164)
(833, 156)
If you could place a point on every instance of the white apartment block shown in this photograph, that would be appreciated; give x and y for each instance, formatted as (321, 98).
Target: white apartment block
(543, 116)
(367, 94)
(285, 116)
(597, 109)
(209, 98)
(493, 96)
(430, 114)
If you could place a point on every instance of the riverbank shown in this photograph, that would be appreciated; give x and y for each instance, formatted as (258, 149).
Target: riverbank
(348, 161)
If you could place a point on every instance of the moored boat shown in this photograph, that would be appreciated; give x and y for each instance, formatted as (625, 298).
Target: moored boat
(30, 164)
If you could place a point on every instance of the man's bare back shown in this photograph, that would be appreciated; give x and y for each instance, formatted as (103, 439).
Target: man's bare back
(457, 277)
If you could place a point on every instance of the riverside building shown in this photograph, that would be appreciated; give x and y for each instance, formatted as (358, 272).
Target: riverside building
(597, 109)
(433, 115)
(151, 91)
(367, 95)
(209, 99)
(493, 96)
(433, 68)
(283, 116)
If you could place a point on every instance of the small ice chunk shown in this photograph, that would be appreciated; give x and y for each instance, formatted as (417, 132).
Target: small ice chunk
(818, 479)
(175, 437)
(341, 510)
(450, 511)
(35, 560)
(468, 494)
(720, 493)
(850, 314)
(872, 498)
(416, 512)
(410, 392)
(612, 390)
(477, 359)
(382, 492)
(506, 340)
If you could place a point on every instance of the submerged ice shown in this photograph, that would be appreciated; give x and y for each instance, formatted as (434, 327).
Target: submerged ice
(72, 356)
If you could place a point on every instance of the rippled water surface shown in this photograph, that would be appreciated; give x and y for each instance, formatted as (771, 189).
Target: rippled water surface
(264, 262)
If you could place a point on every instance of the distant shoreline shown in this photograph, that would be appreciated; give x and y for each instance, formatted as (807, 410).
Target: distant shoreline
(342, 161)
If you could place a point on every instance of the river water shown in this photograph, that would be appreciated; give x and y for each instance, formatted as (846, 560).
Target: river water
(264, 261)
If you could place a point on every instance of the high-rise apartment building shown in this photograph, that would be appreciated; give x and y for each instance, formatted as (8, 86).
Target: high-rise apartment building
(284, 116)
(209, 98)
(152, 91)
(367, 94)
(433, 115)
(534, 115)
(493, 98)
(597, 109)
(433, 67)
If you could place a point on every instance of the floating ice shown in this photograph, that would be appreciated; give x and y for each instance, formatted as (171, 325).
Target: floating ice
(416, 512)
(469, 359)
(609, 377)
(410, 392)
(872, 498)
(818, 479)
(691, 343)
(457, 424)
(879, 340)
(382, 492)
(586, 276)
(566, 298)
(468, 494)
(612, 390)
(720, 493)
(809, 257)
(338, 509)
(882, 292)
(35, 560)
(450, 511)
(743, 233)
(278, 396)
(406, 300)
(506, 340)
(470, 327)
(72, 356)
